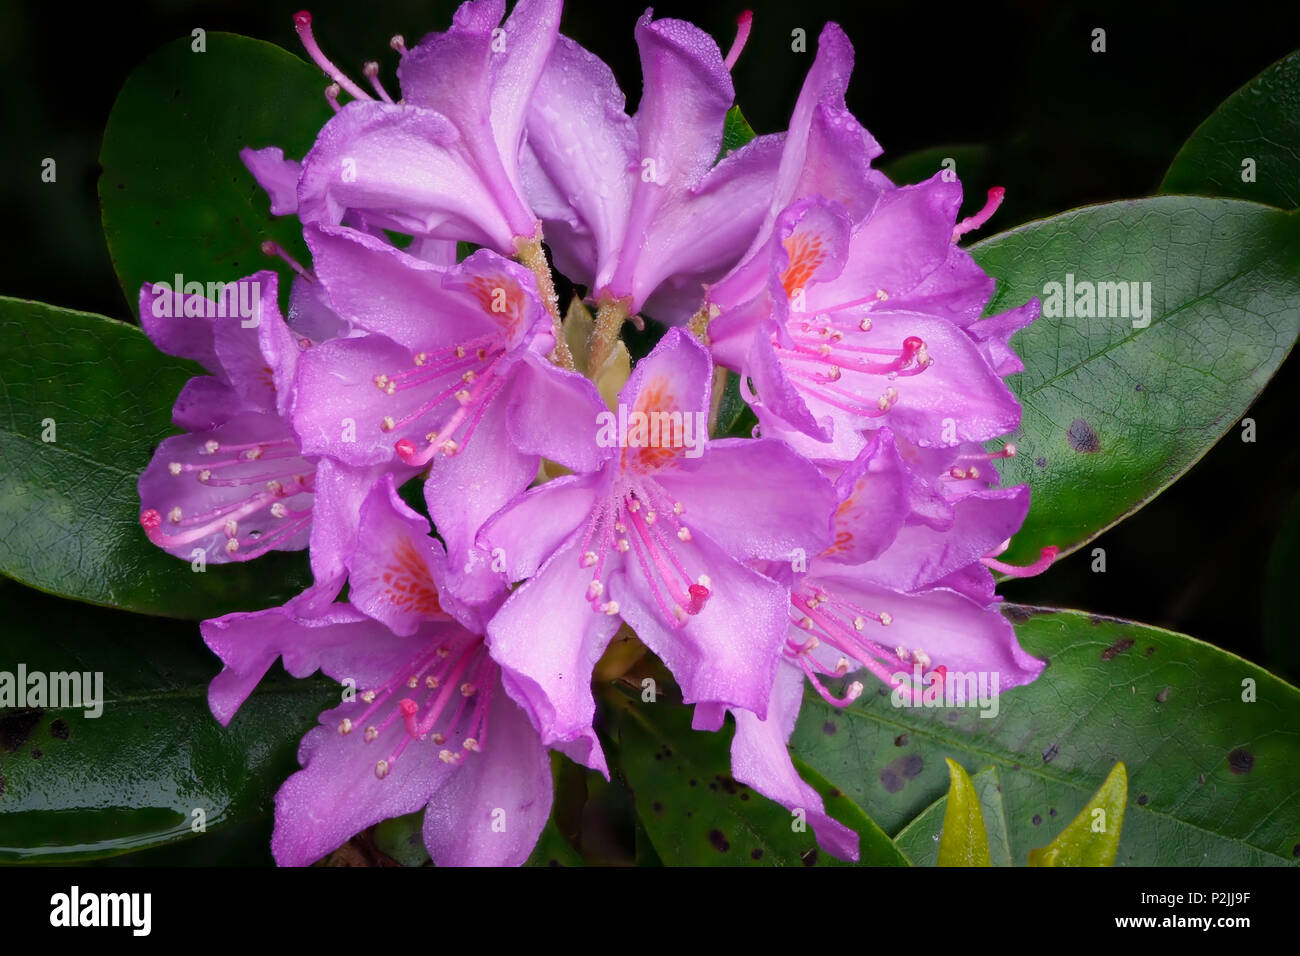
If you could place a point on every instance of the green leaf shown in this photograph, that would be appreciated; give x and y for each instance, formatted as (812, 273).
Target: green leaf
(1091, 838)
(920, 838)
(736, 133)
(1210, 742)
(402, 839)
(1113, 414)
(735, 418)
(76, 787)
(1261, 121)
(695, 813)
(553, 849)
(69, 508)
(965, 840)
(175, 196)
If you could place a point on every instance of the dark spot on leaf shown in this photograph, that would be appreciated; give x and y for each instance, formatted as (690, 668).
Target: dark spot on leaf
(1240, 760)
(1037, 819)
(1119, 647)
(1095, 619)
(659, 756)
(1015, 612)
(835, 793)
(898, 772)
(1050, 753)
(554, 863)
(17, 725)
(900, 740)
(60, 729)
(691, 782)
(1015, 766)
(1137, 387)
(1163, 695)
(952, 716)
(719, 841)
(727, 784)
(809, 856)
(1295, 850)
(1150, 651)
(713, 786)
(1040, 462)
(757, 854)
(689, 814)
(37, 754)
(657, 807)
(1082, 437)
(1051, 811)
(829, 728)
(1143, 799)
(744, 795)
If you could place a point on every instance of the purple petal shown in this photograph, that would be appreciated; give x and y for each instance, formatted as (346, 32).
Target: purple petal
(727, 652)
(760, 759)
(276, 175)
(404, 168)
(492, 810)
(463, 491)
(547, 639)
(756, 499)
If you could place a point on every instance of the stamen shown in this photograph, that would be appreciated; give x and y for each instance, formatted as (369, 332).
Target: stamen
(371, 71)
(1038, 567)
(743, 24)
(302, 24)
(271, 248)
(974, 222)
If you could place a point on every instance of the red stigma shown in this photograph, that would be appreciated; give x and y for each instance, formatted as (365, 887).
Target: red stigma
(405, 449)
(150, 519)
(302, 19)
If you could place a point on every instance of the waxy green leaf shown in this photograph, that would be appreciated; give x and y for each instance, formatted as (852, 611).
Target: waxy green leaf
(176, 198)
(1118, 406)
(1249, 148)
(152, 766)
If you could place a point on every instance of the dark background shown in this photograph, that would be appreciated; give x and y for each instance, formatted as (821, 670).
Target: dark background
(1064, 127)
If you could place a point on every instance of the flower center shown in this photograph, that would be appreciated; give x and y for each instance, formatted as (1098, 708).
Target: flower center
(447, 706)
(833, 342)
(840, 624)
(268, 490)
(461, 373)
(643, 521)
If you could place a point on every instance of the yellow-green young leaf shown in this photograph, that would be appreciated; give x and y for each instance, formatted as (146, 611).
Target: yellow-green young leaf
(965, 841)
(1092, 837)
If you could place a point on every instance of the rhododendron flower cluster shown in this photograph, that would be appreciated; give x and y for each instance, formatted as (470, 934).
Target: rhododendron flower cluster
(853, 538)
